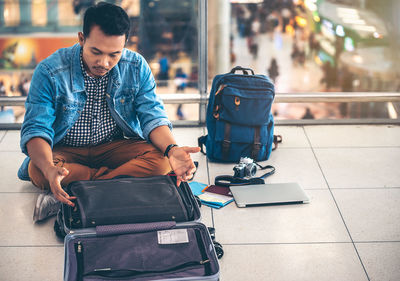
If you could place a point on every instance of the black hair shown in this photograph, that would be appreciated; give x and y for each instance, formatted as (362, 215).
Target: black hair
(111, 19)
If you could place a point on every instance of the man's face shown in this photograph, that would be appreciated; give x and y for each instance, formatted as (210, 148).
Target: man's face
(101, 52)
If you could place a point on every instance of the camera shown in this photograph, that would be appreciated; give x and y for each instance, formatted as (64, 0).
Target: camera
(245, 168)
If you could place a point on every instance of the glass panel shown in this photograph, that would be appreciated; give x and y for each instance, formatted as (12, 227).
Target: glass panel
(165, 33)
(39, 12)
(335, 110)
(12, 114)
(311, 46)
(68, 13)
(11, 13)
(188, 112)
(15, 83)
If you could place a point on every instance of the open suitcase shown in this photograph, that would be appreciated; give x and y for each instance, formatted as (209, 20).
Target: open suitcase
(145, 229)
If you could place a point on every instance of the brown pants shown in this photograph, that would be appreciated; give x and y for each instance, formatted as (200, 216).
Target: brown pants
(105, 161)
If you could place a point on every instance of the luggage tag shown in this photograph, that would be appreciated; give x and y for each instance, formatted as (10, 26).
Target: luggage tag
(172, 236)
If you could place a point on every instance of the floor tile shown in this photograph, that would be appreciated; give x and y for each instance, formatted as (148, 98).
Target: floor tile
(370, 214)
(298, 262)
(352, 158)
(9, 165)
(206, 215)
(292, 136)
(187, 136)
(292, 165)
(381, 260)
(318, 221)
(353, 136)
(2, 134)
(32, 263)
(18, 229)
(360, 167)
(10, 142)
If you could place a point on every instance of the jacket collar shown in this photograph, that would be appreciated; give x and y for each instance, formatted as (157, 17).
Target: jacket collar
(77, 81)
(115, 79)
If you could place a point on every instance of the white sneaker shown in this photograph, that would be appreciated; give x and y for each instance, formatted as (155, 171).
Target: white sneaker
(46, 206)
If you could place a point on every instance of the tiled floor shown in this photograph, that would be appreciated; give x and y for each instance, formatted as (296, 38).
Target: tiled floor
(349, 231)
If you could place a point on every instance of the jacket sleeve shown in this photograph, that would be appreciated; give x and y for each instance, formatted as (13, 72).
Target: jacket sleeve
(39, 109)
(149, 106)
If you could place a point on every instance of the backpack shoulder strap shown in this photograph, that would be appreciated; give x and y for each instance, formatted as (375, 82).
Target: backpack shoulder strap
(201, 141)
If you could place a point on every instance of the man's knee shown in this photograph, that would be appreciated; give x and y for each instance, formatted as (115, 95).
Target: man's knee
(75, 172)
(37, 177)
(154, 161)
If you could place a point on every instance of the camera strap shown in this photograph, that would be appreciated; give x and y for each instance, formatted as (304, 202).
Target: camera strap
(226, 180)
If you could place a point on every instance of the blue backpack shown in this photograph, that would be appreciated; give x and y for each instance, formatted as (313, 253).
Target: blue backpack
(239, 120)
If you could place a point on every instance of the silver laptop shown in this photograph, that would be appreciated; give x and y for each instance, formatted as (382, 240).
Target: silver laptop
(269, 194)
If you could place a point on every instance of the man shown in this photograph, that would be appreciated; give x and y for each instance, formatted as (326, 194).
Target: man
(92, 113)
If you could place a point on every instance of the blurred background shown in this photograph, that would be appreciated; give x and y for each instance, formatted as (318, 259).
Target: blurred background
(305, 46)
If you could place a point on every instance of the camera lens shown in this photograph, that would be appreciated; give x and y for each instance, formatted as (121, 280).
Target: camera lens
(252, 170)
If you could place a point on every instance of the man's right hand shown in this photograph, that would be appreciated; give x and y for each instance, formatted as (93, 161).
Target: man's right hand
(55, 175)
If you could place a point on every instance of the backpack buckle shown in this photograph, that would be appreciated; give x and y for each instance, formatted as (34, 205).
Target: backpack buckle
(226, 143)
(257, 145)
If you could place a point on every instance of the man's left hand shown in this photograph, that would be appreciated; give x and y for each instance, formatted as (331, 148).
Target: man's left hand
(182, 163)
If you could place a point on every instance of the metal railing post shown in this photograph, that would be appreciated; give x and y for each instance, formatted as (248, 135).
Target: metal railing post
(203, 63)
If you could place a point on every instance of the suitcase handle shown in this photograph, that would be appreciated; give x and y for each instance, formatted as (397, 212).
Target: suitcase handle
(239, 68)
(116, 229)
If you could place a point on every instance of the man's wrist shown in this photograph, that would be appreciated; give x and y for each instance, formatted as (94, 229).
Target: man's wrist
(47, 170)
(168, 149)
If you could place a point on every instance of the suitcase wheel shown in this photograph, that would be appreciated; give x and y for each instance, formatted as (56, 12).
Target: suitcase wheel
(211, 230)
(58, 228)
(217, 246)
(218, 249)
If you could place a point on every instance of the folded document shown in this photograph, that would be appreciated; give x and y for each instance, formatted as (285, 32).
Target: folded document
(212, 196)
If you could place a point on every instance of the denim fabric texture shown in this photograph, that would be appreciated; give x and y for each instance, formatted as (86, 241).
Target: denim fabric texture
(57, 96)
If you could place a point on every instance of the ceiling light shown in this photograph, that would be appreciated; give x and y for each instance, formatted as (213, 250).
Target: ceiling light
(340, 31)
(346, 10)
(358, 59)
(353, 21)
(369, 28)
(377, 35)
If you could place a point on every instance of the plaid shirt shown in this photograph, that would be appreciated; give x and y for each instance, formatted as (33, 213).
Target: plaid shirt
(95, 125)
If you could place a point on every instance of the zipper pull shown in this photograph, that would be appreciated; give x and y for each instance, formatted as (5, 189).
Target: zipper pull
(205, 261)
(237, 103)
(102, 269)
(79, 260)
(79, 247)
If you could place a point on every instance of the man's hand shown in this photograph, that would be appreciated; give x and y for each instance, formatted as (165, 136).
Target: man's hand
(55, 175)
(182, 163)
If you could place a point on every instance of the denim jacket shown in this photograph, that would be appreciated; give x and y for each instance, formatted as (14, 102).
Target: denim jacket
(57, 97)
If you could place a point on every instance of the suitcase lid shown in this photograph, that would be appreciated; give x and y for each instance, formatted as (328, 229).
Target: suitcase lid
(68, 223)
(152, 251)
